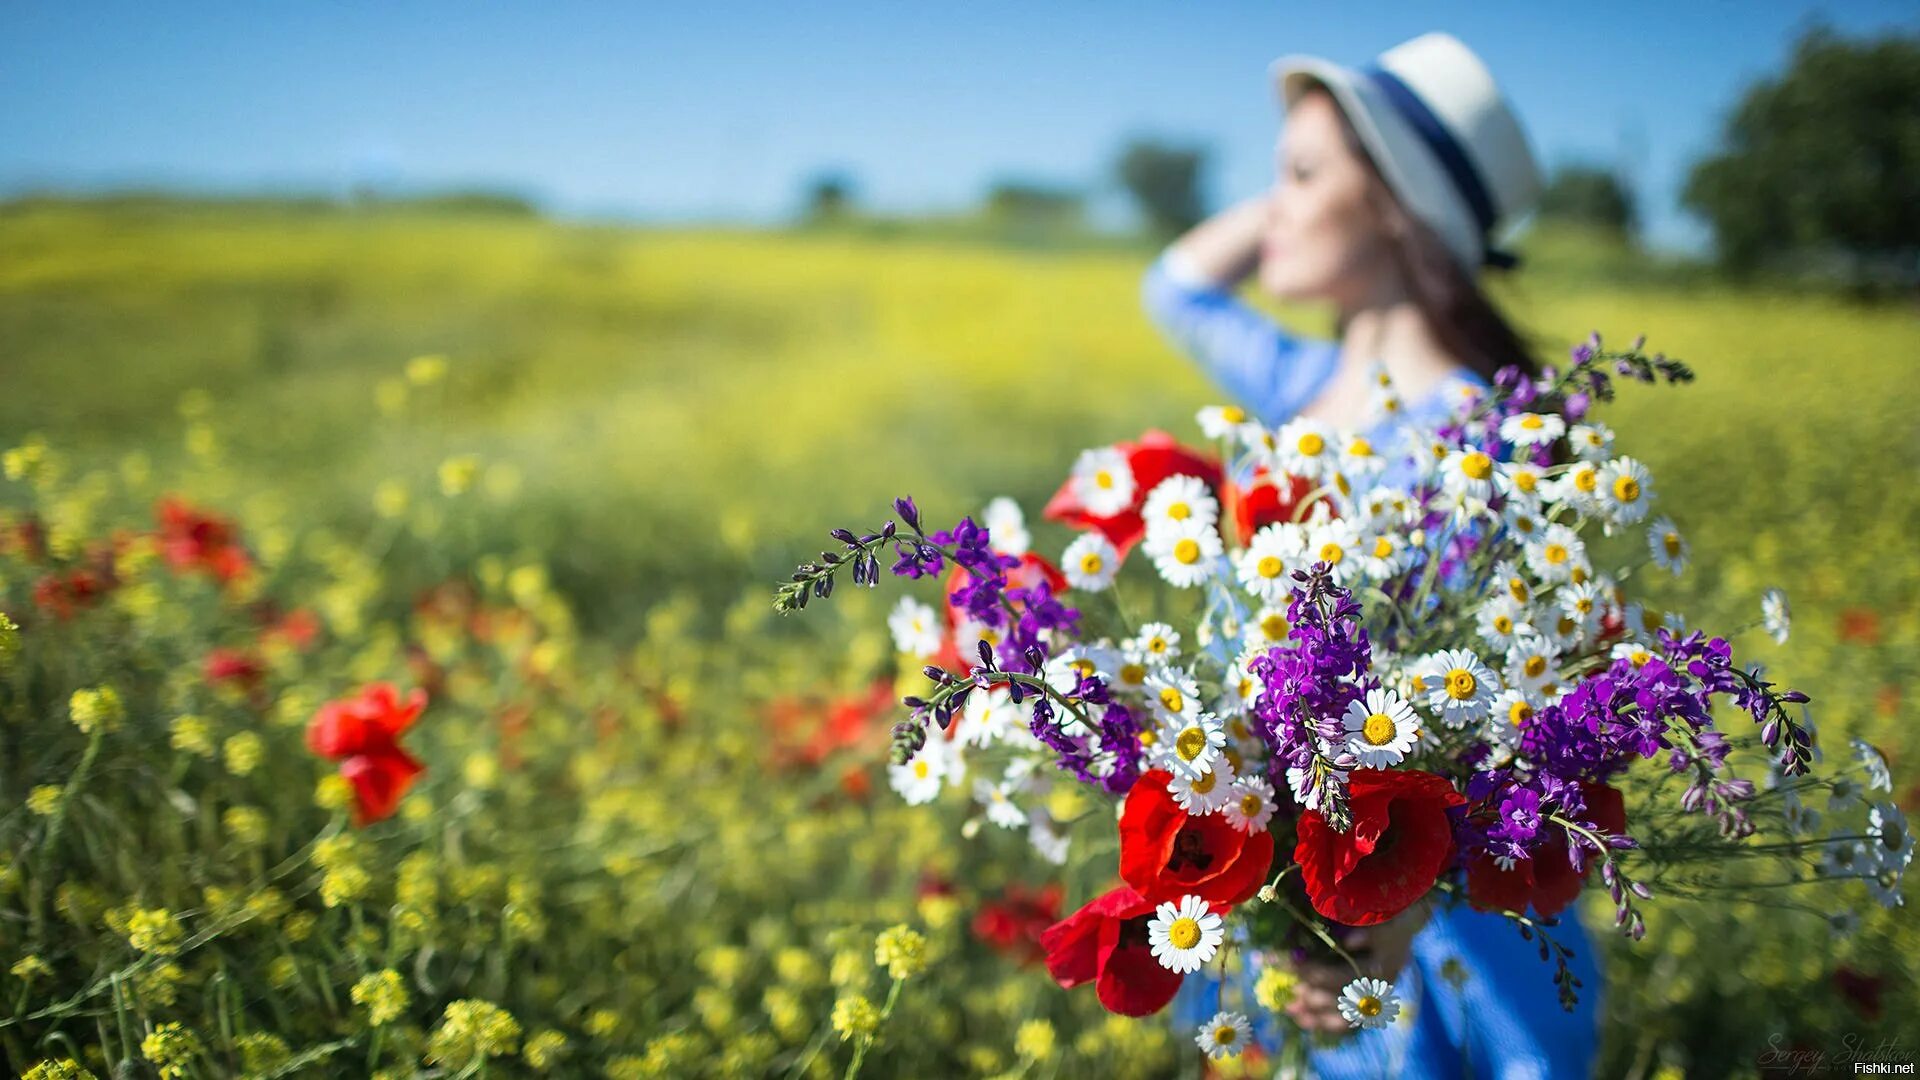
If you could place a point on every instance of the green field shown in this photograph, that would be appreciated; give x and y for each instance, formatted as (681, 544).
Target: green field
(668, 420)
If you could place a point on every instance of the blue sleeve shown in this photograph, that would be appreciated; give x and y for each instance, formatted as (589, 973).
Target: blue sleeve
(1268, 371)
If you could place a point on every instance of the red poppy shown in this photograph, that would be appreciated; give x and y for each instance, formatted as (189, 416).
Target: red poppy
(1105, 942)
(1400, 840)
(62, 595)
(1154, 458)
(1264, 501)
(1015, 923)
(193, 539)
(1547, 882)
(1166, 853)
(362, 733)
(235, 667)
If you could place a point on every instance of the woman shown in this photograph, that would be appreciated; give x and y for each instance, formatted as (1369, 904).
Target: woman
(1391, 181)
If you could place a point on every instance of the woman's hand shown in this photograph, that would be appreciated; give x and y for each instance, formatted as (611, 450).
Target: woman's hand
(1382, 951)
(1225, 247)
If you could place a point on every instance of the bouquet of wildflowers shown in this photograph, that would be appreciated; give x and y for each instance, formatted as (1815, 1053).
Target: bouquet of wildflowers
(1375, 677)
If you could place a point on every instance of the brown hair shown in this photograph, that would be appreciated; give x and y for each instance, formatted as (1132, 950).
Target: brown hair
(1462, 316)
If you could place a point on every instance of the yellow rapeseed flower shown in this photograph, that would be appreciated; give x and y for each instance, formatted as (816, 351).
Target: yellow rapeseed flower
(901, 950)
(855, 1017)
(98, 708)
(384, 994)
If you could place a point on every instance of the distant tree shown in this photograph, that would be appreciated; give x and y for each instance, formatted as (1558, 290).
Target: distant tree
(1164, 181)
(829, 196)
(1586, 195)
(1822, 165)
(1028, 203)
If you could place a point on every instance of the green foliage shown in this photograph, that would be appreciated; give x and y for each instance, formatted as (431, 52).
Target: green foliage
(1164, 180)
(1820, 169)
(1585, 195)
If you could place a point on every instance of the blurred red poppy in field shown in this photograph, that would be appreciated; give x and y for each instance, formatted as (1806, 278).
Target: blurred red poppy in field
(1015, 923)
(193, 539)
(362, 733)
(1105, 943)
(1264, 501)
(1154, 458)
(1548, 882)
(1166, 853)
(1860, 626)
(233, 667)
(64, 595)
(1400, 841)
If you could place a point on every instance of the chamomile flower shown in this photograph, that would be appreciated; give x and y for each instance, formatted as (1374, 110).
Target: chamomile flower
(1177, 499)
(1220, 421)
(1206, 793)
(1584, 603)
(1195, 746)
(1184, 935)
(1557, 553)
(1358, 458)
(1175, 697)
(1006, 527)
(1103, 481)
(1241, 687)
(1268, 627)
(999, 804)
(1668, 547)
(1578, 487)
(1892, 842)
(1775, 615)
(1511, 709)
(1591, 442)
(1847, 858)
(990, 716)
(1184, 552)
(1460, 688)
(1157, 642)
(1645, 624)
(1501, 618)
(1633, 652)
(1090, 562)
(1383, 556)
(1468, 472)
(1873, 762)
(1385, 508)
(1336, 543)
(919, 780)
(1263, 567)
(1532, 429)
(1626, 490)
(1225, 1035)
(1369, 1003)
(1133, 667)
(1250, 805)
(1521, 480)
(916, 628)
(1306, 448)
(1523, 518)
(1381, 729)
(1884, 886)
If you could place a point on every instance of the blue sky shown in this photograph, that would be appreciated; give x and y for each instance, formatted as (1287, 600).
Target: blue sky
(679, 111)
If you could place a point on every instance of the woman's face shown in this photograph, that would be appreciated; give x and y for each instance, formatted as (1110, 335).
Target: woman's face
(1324, 239)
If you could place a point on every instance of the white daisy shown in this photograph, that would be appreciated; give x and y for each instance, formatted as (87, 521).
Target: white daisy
(1532, 429)
(1646, 624)
(1468, 472)
(1507, 578)
(918, 781)
(1135, 664)
(1103, 481)
(1669, 548)
(1502, 618)
(1251, 805)
(1383, 556)
(1584, 603)
(1305, 448)
(991, 716)
(1157, 642)
(1385, 508)
(1626, 490)
(1884, 886)
(1892, 843)
(916, 628)
(1847, 858)
(1184, 935)
(1006, 527)
(1220, 421)
(998, 800)
(1240, 688)
(1358, 458)
(1775, 615)
(1874, 762)
(1381, 729)
(1263, 567)
(1177, 499)
(1578, 487)
(1195, 745)
(1557, 553)
(1591, 442)
(1184, 552)
(1267, 628)
(1633, 652)
(1175, 697)
(1844, 794)
(1206, 793)
(1369, 1003)
(1511, 709)
(1090, 562)
(1460, 688)
(1336, 543)
(1225, 1035)
(1523, 518)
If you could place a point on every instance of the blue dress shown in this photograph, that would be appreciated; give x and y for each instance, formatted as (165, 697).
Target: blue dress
(1504, 1018)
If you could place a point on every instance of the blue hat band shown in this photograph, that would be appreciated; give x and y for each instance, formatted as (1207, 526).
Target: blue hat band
(1446, 150)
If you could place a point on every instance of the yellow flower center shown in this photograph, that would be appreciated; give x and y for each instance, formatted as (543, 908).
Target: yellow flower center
(1535, 666)
(1083, 666)
(1204, 785)
(1225, 1035)
(1233, 414)
(1578, 575)
(1275, 627)
(1476, 466)
(1184, 933)
(1380, 729)
(1173, 699)
(1671, 542)
(1382, 548)
(1332, 553)
(1250, 805)
(1532, 423)
(1340, 481)
(1148, 738)
(1133, 674)
(1556, 553)
(1565, 625)
(1187, 551)
(1190, 744)
(1103, 479)
(1311, 444)
(920, 769)
(1626, 489)
(1179, 511)
(1584, 605)
(1157, 645)
(1270, 566)
(1503, 624)
(1360, 448)
(1526, 480)
(1639, 657)
(1587, 479)
(1520, 713)
(1091, 562)
(1368, 1006)
(1518, 587)
(1246, 691)
(1460, 684)
(1233, 758)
